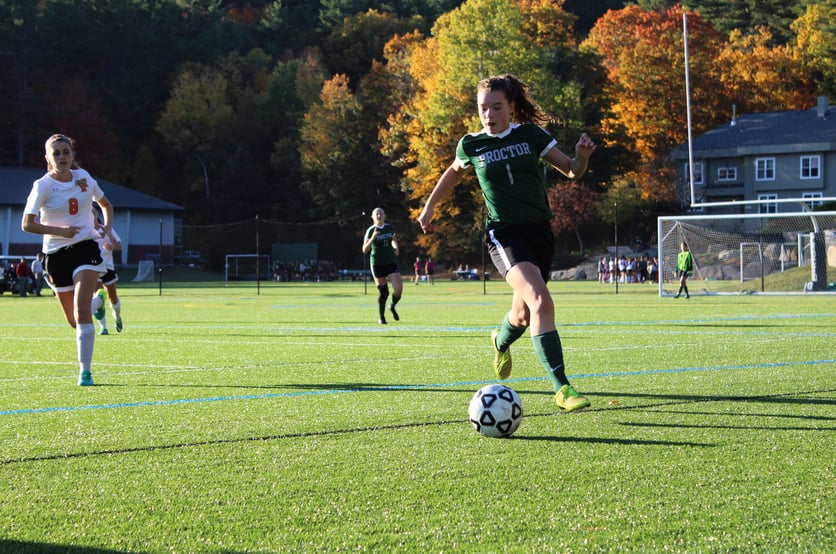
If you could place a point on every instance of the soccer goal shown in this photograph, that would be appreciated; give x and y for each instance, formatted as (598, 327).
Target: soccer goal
(144, 271)
(247, 267)
(742, 253)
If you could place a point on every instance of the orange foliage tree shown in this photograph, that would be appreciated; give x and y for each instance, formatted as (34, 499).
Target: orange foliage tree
(643, 52)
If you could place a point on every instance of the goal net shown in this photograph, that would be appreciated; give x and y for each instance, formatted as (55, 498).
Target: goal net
(247, 267)
(144, 271)
(743, 253)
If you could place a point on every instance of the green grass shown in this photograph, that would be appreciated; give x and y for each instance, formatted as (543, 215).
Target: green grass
(290, 421)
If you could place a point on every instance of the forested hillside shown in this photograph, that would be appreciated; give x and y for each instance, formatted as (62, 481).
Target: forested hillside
(305, 111)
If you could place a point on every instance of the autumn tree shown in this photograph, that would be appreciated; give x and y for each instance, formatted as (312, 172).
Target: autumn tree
(643, 53)
(573, 203)
(760, 77)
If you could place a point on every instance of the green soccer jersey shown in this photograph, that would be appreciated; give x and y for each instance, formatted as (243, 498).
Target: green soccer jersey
(382, 252)
(684, 261)
(510, 172)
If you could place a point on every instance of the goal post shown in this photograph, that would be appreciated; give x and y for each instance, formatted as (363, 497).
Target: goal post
(741, 253)
(247, 267)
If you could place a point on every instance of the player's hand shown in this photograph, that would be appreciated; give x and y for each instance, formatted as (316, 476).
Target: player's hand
(585, 146)
(69, 232)
(424, 220)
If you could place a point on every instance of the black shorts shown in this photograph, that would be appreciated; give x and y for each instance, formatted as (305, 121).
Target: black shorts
(532, 242)
(61, 266)
(109, 277)
(380, 271)
(682, 274)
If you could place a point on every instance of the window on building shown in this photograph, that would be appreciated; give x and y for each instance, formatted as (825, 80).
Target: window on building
(768, 207)
(726, 174)
(698, 172)
(810, 167)
(765, 169)
(813, 199)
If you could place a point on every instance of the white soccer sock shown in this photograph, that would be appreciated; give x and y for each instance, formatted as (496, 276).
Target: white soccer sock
(96, 303)
(85, 335)
(117, 308)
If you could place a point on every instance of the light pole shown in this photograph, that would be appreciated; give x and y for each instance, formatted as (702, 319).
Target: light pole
(615, 230)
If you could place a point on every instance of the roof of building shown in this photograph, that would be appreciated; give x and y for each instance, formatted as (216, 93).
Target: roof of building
(768, 133)
(16, 183)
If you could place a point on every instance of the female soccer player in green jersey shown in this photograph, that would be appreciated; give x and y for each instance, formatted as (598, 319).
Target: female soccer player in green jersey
(507, 155)
(380, 240)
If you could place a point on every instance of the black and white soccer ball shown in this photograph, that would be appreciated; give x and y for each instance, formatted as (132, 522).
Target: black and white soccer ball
(495, 411)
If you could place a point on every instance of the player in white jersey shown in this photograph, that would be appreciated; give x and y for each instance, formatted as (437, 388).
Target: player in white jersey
(59, 207)
(109, 242)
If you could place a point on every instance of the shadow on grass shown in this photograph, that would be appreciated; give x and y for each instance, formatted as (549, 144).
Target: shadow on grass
(738, 415)
(708, 426)
(611, 441)
(25, 547)
(670, 399)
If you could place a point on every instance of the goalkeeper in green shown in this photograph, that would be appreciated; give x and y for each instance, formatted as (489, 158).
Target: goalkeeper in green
(684, 265)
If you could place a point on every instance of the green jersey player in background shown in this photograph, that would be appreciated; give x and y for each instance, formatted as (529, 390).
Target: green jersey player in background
(381, 242)
(507, 156)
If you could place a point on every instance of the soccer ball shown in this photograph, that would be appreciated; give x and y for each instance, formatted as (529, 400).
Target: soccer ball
(495, 411)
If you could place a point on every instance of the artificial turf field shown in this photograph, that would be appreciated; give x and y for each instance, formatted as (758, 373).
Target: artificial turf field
(286, 419)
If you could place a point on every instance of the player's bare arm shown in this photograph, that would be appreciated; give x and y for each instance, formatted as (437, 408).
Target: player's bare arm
(572, 167)
(451, 176)
(30, 225)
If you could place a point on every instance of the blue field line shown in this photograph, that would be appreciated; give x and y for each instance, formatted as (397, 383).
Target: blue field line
(397, 388)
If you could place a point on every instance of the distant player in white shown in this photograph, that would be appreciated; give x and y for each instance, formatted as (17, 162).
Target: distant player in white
(109, 242)
(63, 199)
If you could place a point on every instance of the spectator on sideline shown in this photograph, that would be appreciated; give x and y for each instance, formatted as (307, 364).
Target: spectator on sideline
(508, 156)
(419, 268)
(63, 198)
(23, 273)
(38, 273)
(429, 270)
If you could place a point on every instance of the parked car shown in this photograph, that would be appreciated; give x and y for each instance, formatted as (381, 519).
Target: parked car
(190, 258)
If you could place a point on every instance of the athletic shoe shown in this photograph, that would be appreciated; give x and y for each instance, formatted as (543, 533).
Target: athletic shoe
(567, 398)
(85, 379)
(118, 324)
(501, 360)
(382, 321)
(100, 313)
(103, 331)
(394, 313)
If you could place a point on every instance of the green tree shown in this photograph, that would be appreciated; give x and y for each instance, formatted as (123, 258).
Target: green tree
(357, 41)
(815, 45)
(747, 15)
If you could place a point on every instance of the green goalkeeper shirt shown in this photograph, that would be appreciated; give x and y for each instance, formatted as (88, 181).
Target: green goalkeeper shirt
(684, 261)
(510, 172)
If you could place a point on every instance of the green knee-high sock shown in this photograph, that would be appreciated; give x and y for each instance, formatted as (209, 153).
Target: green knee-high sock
(507, 334)
(550, 351)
